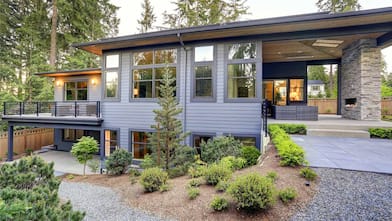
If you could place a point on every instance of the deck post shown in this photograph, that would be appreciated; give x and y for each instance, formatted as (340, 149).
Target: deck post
(102, 149)
(10, 154)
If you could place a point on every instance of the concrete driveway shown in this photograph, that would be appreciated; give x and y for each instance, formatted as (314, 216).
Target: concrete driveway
(372, 155)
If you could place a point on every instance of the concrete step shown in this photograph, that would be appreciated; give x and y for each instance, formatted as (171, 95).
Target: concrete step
(342, 126)
(338, 133)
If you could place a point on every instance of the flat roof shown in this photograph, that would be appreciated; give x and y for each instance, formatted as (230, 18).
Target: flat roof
(269, 29)
(89, 71)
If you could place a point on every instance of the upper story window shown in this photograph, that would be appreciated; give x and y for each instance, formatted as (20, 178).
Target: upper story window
(203, 85)
(111, 86)
(75, 91)
(148, 70)
(241, 71)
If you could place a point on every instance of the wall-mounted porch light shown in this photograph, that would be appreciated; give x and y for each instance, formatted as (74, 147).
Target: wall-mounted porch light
(58, 83)
(94, 82)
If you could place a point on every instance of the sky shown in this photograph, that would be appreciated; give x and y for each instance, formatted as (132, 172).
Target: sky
(130, 11)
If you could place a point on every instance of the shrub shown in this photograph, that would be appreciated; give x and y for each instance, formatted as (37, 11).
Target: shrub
(195, 182)
(250, 154)
(164, 188)
(287, 195)
(30, 187)
(222, 185)
(385, 133)
(234, 163)
(219, 147)
(153, 178)
(252, 192)
(177, 171)
(289, 152)
(197, 171)
(147, 162)
(118, 161)
(84, 150)
(293, 128)
(308, 173)
(134, 172)
(216, 173)
(184, 157)
(29, 151)
(219, 203)
(93, 165)
(193, 192)
(272, 175)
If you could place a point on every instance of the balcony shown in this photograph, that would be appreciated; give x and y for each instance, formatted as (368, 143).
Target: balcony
(80, 112)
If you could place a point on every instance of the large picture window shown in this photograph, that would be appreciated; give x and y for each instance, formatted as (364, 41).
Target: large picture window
(72, 135)
(76, 91)
(148, 70)
(112, 63)
(296, 89)
(140, 146)
(203, 72)
(241, 71)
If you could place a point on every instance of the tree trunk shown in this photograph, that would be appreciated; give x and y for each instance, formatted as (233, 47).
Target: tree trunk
(158, 145)
(84, 168)
(53, 32)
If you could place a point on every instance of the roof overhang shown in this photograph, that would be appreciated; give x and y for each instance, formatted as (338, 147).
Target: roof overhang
(91, 71)
(304, 26)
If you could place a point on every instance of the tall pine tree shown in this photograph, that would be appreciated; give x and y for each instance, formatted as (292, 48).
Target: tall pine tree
(148, 17)
(338, 5)
(204, 12)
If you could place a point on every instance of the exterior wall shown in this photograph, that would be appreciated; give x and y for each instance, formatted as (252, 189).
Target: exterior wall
(67, 145)
(219, 117)
(361, 80)
(94, 91)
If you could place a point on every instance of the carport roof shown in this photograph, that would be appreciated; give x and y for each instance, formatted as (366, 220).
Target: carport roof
(305, 26)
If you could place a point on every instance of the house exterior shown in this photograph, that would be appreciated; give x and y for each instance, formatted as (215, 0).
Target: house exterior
(223, 73)
(316, 88)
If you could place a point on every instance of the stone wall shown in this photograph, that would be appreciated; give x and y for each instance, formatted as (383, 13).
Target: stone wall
(361, 80)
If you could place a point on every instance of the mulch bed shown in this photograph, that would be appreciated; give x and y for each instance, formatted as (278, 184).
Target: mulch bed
(175, 203)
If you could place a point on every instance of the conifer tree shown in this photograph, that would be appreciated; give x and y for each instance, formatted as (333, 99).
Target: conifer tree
(148, 17)
(338, 5)
(169, 133)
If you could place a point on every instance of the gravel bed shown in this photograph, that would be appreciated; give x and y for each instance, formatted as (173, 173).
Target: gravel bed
(100, 203)
(350, 195)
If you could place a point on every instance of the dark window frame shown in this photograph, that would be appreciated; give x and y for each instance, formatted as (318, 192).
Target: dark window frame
(104, 78)
(76, 81)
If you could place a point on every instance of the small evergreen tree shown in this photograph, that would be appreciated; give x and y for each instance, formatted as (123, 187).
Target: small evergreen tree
(169, 134)
(84, 150)
(29, 191)
(148, 17)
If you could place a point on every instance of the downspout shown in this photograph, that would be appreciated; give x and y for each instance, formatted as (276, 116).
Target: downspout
(185, 79)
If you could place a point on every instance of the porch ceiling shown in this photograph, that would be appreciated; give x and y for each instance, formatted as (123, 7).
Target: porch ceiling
(310, 49)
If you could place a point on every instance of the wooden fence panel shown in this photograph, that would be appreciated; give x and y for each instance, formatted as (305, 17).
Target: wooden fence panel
(329, 106)
(27, 139)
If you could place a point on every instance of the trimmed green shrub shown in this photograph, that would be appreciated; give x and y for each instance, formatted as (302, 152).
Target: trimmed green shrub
(193, 193)
(252, 192)
(118, 161)
(308, 173)
(250, 154)
(216, 173)
(29, 191)
(222, 185)
(197, 171)
(84, 150)
(148, 162)
(153, 178)
(195, 182)
(219, 147)
(234, 163)
(272, 175)
(289, 152)
(293, 128)
(287, 195)
(384, 133)
(177, 171)
(164, 188)
(134, 172)
(219, 203)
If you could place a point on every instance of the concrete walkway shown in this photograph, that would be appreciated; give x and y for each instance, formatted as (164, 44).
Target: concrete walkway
(372, 155)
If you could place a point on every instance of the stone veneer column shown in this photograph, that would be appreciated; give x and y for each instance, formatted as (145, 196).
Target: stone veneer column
(361, 79)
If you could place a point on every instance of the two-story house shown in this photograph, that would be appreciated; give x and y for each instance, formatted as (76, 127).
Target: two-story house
(223, 73)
